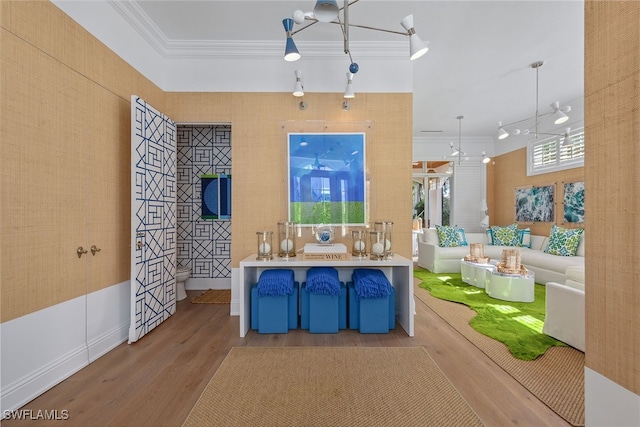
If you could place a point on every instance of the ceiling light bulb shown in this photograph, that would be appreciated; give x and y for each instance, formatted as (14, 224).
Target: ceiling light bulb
(298, 17)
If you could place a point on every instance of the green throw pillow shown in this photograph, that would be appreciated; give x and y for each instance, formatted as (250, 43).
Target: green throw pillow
(505, 236)
(448, 237)
(564, 241)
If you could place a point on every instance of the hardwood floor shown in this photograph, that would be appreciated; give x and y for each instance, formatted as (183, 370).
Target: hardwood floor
(156, 381)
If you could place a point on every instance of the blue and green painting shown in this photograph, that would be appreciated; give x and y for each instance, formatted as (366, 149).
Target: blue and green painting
(327, 178)
(574, 201)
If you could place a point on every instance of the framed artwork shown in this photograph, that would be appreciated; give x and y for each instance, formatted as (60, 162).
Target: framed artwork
(326, 174)
(535, 204)
(574, 201)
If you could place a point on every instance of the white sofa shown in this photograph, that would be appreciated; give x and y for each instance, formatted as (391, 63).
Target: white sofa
(564, 317)
(547, 267)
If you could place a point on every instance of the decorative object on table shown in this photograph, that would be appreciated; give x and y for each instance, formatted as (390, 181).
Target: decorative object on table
(323, 234)
(377, 246)
(323, 252)
(511, 263)
(358, 245)
(287, 239)
(476, 254)
(386, 227)
(265, 247)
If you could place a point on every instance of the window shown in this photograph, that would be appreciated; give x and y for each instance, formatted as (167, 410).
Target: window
(548, 155)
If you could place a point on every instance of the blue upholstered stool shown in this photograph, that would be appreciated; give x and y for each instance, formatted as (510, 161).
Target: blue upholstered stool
(274, 314)
(323, 313)
(372, 315)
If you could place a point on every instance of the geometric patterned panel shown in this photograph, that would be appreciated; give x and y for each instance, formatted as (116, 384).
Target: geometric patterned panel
(204, 245)
(154, 221)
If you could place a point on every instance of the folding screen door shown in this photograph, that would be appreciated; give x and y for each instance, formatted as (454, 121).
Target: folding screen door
(153, 218)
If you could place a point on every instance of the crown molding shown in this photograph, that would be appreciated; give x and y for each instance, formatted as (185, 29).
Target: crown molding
(136, 17)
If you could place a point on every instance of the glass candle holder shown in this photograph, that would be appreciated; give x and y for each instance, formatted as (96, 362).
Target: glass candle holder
(377, 239)
(386, 227)
(265, 247)
(358, 245)
(287, 239)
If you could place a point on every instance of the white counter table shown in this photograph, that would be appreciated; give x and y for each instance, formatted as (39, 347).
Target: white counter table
(398, 270)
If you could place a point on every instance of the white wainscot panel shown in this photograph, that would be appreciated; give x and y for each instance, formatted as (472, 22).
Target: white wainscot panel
(607, 404)
(42, 349)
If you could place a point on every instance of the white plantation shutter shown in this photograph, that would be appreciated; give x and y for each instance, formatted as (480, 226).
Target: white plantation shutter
(548, 155)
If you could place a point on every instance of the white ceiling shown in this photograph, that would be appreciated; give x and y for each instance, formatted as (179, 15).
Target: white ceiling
(478, 65)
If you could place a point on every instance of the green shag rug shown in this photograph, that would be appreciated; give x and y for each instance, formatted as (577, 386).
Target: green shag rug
(516, 324)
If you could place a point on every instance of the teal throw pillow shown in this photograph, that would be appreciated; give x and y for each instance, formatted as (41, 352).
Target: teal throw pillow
(564, 241)
(448, 237)
(525, 238)
(505, 236)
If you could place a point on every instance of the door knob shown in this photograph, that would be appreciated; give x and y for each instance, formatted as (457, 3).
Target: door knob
(94, 249)
(81, 251)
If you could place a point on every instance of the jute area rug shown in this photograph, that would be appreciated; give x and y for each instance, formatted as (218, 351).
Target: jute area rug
(556, 377)
(213, 296)
(330, 386)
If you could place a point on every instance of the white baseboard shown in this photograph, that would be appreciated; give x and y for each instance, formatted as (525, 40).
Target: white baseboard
(29, 387)
(197, 284)
(607, 403)
(41, 349)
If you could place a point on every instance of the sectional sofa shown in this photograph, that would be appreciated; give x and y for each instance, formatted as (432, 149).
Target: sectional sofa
(547, 267)
(562, 275)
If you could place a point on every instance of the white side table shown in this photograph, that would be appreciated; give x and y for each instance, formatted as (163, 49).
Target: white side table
(474, 273)
(510, 287)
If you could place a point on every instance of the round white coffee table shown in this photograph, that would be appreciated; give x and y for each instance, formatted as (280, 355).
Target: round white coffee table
(510, 287)
(474, 273)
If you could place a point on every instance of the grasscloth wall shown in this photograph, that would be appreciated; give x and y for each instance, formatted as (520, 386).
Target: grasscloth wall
(507, 172)
(612, 186)
(259, 122)
(65, 161)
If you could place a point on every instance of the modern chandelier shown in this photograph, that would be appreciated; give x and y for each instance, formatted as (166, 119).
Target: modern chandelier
(327, 11)
(457, 151)
(557, 114)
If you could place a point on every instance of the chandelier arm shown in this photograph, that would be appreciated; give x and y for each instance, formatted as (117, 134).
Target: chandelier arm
(366, 27)
(527, 119)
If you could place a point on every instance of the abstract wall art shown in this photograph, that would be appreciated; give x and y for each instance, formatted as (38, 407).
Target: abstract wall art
(535, 204)
(574, 202)
(326, 178)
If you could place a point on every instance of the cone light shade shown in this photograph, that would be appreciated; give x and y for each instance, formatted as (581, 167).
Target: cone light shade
(290, 51)
(297, 89)
(416, 46)
(348, 93)
(326, 10)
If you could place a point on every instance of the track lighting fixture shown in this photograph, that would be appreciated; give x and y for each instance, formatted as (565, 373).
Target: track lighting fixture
(485, 158)
(558, 114)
